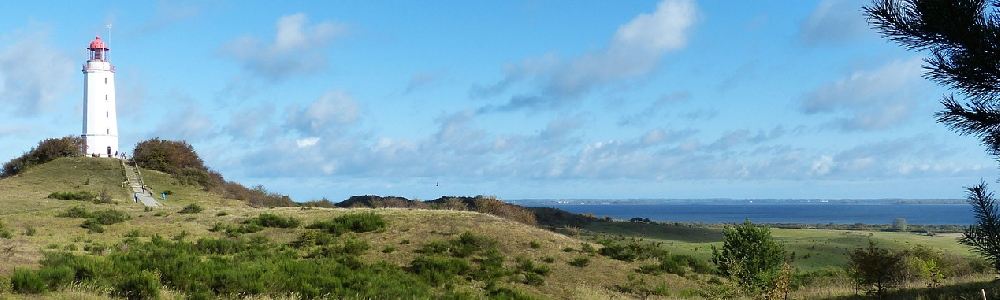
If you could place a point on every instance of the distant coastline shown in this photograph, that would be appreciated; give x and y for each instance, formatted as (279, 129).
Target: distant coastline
(803, 211)
(730, 201)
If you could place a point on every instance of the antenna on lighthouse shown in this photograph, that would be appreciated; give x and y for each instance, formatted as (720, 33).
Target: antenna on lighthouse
(107, 56)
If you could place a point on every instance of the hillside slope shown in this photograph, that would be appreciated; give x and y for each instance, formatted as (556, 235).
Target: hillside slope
(27, 213)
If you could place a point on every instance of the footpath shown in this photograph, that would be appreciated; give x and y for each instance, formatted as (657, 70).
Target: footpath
(134, 180)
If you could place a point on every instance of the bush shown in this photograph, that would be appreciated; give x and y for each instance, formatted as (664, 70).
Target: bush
(92, 226)
(4, 232)
(437, 271)
(580, 262)
(56, 277)
(109, 217)
(75, 212)
(359, 223)
(47, 150)
(191, 209)
(749, 256)
(274, 221)
(138, 286)
(633, 250)
(81, 195)
(27, 282)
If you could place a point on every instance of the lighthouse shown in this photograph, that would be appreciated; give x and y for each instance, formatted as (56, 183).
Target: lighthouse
(100, 121)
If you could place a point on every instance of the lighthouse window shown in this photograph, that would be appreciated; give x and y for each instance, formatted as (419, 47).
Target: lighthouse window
(105, 80)
(109, 130)
(107, 114)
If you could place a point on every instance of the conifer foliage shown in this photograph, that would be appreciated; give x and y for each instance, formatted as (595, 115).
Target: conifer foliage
(963, 39)
(750, 257)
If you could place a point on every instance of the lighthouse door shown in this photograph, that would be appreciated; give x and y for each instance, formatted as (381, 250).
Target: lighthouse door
(109, 151)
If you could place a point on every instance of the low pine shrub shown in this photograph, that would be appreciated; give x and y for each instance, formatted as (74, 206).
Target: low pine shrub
(534, 244)
(580, 262)
(274, 221)
(359, 223)
(632, 250)
(110, 216)
(437, 271)
(81, 195)
(312, 238)
(4, 232)
(92, 226)
(138, 286)
(191, 209)
(75, 212)
(27, 282)
(56, 277)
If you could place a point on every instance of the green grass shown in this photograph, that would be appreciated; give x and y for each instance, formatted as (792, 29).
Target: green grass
(824, 247)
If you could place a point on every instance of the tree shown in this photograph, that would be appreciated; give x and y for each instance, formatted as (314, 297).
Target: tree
(963, 39)
(168, 156)
(749, 256)
(875, 270)
(47, 150)
(899, 224)
(984, 236)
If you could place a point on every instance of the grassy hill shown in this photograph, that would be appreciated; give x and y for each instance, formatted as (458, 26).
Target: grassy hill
(430, 253)
(30, 217)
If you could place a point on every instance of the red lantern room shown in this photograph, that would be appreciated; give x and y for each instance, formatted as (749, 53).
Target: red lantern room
(98, 50)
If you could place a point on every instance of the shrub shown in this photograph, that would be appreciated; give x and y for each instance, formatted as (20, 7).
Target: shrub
(359, 223)
(75, 212)
(109, 217)
(30, 231)
(4, 233)
(92, 226)
(633, 250)
(191, 209)
(27, 282)
(81, 195)
(312, 238)
(580, 262)
(875, 270)
(138, 286)
(749, 256)
(274, 221)
(56, 277)
(47, 150)
(534, 244)
(437, 271)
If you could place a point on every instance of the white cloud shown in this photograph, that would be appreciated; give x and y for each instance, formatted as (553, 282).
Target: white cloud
(835, 22)
(307, 142)
(635, 50)
(334, 108)
(296, 48)
(33, 75)
(870, 100)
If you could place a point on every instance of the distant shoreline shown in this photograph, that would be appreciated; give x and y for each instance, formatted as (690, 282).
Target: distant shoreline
(728, 201)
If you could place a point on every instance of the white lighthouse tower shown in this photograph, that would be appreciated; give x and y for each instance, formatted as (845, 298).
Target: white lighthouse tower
(100, 121)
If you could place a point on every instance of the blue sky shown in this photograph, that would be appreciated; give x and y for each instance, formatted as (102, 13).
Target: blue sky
(518, 99)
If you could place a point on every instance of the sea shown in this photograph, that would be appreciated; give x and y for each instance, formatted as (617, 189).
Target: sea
(837, 212)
